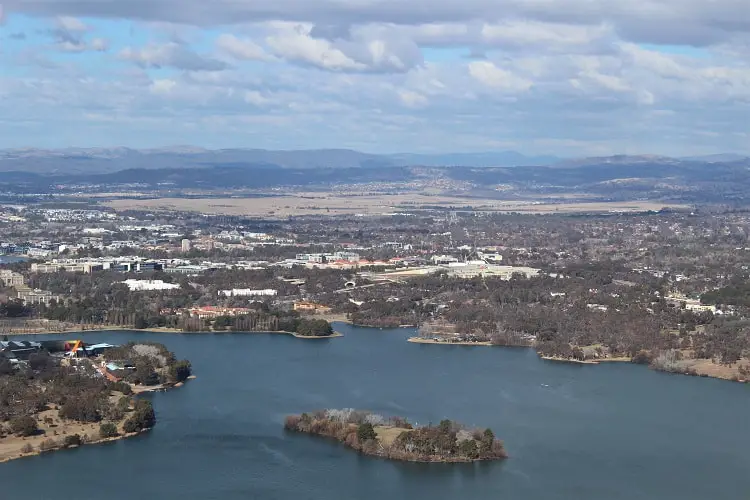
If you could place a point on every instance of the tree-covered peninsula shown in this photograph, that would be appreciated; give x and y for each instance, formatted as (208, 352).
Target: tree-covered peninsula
(52, 398)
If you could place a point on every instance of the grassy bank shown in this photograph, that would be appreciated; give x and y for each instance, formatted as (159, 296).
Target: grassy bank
(420, 340)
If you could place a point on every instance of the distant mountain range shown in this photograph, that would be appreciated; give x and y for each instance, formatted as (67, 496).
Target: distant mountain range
(105, 160)
(714, 179)
(108, 160)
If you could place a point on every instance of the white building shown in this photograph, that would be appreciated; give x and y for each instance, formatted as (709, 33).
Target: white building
(347, 256)
(311, 257)
(443, 259)
(10, 279)
(185, 245)
(492, 258)
(472, 269)
(247, 292)
(149, 285)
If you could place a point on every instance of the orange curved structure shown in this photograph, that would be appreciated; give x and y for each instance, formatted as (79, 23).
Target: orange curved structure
(72, 346)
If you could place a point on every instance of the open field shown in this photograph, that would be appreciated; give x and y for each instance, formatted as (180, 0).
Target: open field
(333, 204)
(51, 426)
(387, 434)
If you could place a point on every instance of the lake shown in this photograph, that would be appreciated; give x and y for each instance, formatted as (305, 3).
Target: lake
(10, 259)
(613, 431)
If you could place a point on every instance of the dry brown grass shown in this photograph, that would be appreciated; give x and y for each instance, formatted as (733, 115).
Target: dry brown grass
(333, 204)
(387, 434)
(708, 368)
(11, 446)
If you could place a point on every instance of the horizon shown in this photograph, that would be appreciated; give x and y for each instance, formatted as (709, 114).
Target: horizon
(175, 147)
(574, 78)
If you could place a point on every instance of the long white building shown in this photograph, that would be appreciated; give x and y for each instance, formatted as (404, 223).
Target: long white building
(149, 285)
(247, 292)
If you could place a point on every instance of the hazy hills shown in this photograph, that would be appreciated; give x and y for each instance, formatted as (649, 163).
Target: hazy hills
(105, 160)
(713, 179)
(72, 161)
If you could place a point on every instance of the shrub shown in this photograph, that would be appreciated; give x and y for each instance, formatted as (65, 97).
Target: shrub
(642, 357)
(24, 426)
(468, 448)
(314, 328)
(74, 440)
(180, 371)
(81, 410)
(143, 417)
(375, 419)
(366, 432)
(145, 374)
(292, 422)
(27, 448)
(48, 445)
(667, 361)
(343, 415)
(114, 412)
(123, 404)
(122, 387)
(401, 423)
(485, 444)
(107, 430)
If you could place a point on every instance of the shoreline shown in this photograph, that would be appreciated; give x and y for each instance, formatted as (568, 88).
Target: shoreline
(701, 367)
(586, 361)
(399, 442)
(38, 452)
(419, 340)
(105, 329)
(16, 443)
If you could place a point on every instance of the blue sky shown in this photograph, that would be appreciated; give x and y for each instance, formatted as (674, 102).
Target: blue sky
(565, 77)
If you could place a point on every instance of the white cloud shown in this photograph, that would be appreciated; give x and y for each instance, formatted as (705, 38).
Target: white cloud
(609, 82)
(71, 24)
(412, 99)
(547, 36)
(173, 54)
(255, 98)
(293, 42)
(490, 75)
(163, 86)
(240, 48)
(95, 45)
(567, 74)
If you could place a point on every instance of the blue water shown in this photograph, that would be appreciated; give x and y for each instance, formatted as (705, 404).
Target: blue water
(613, 431)
(9, 259)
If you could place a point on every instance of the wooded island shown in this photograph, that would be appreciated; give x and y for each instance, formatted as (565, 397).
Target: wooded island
(396, 439)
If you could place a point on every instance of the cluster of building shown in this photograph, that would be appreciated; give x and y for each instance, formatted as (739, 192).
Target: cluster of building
(11, 279)
(17, 351)
(464, 270)
(211, 312)
(137, 265)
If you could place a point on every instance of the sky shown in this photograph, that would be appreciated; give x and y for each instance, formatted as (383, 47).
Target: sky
(563, 77)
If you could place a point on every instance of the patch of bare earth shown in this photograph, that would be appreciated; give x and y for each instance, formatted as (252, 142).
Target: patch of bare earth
(708, 368)
(338, 204)
(387, 434)
(51, 426)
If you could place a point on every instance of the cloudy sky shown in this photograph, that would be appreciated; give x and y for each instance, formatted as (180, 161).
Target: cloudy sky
(566, 77)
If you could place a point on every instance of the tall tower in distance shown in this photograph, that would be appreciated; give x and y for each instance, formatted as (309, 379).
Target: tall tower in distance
(185, 245)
